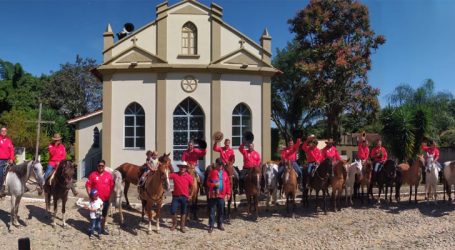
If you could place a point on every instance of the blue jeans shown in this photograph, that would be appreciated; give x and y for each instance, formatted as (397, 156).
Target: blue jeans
(296, 167)
(217, 203)
(95, 224)
(179, 200)
(2, 170)
(48, 172)
(311, 166)
(200, 173)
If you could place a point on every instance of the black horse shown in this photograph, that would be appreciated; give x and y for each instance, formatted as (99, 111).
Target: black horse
(319, 181)
(385, 178)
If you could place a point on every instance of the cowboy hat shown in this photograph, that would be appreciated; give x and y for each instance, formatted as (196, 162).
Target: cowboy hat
(329, 141)
(218, 136)
(182, 164)
(57, 137)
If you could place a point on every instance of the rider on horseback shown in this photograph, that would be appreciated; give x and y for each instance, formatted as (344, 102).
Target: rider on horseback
(330, 151)
(6, 157)
(379, 156)
(191, 156)
(431, 150)
(313, 154)
(290, 154)
(57, 153)
(226, 153)
(151, 165)
(251, 159)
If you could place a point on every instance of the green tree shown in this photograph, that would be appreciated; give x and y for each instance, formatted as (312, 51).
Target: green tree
(336, 42)
(293, 108)
(73, 90)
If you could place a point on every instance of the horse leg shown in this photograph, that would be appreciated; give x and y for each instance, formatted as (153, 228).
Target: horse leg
(426, 191)
(64, 210)
(144, 203)
(149, 215)
(379, 194)
(317, 199)
(55, 211)
(125, 192)
(324, 196)
(415, 192)
(157, 211)
(334, 205)
(195, 209)
(13, 211)
(256, 205)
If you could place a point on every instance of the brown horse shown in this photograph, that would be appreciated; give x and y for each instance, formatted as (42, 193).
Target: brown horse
(234, 183)
(152, 195)
(337, 182)
(365, 180)
(194, 195)
(449, 178)
(253, 189)
(320, 182)
(130, 174)
(385, 178)
(290, 187)
(409, 174)
(58, 188)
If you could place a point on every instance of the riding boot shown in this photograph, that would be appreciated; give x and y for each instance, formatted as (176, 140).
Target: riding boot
(174, 222)
(182, 224)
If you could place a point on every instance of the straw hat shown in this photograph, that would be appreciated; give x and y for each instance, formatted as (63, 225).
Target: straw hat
(182, 164)
(218, 136)
(57, 137)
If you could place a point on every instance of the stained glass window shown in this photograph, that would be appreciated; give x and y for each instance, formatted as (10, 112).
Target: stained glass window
(188, 124)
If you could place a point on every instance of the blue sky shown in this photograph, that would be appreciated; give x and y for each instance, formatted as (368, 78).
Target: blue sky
(42, 34)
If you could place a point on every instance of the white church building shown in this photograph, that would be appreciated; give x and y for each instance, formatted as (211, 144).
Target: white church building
(183, 76)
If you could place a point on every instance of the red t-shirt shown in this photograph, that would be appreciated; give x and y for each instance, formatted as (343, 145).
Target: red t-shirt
(313, 154)
(250, 158)
(6, 149)
(182, 184)
(363, 152)
(226, 154)
(379, 154)
(192, 157)
(290, 153)
(331, 152)
(214, 178)
(102, 182)
(432, 151)
(57, 153)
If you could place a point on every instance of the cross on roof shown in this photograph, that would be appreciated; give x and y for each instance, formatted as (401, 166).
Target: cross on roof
(134, 40)
(38, 128)
(241, 41)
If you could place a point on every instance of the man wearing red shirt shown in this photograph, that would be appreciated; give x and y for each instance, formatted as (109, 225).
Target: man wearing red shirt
(363, 151)
(312, 152)
(219, 188)
(379, 156)
(102, 181)
(289, 154)
(57, 153)
(251, 159)
(431, 150)
(182, 186)
(226, 153)
(6, 156)
(191, 156)
(330, 151)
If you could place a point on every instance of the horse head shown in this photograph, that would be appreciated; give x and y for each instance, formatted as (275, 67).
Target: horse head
(270, 170)
(66, 170)
(163, 171)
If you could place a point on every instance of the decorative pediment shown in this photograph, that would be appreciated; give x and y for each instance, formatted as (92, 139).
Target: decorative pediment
(189, 10)
(135, 55)
(242, 57)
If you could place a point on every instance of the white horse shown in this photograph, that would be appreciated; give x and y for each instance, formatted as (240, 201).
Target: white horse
(431, 178)
(115, 198)
(270, 174)
(449, 177)
(16, 179)
(353, 169)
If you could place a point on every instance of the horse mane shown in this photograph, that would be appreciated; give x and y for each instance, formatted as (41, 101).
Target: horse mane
(21, 169)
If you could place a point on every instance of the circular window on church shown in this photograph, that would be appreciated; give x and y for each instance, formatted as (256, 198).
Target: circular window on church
(189, 84)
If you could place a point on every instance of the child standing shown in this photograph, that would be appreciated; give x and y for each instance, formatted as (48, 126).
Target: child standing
(95, 207)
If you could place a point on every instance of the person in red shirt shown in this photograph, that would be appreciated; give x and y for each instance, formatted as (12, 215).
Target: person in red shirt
(363, 151)
(219, 189)
(226, 153)
(431, 150)
(289, 154)
(102, 181)
(312, 152)
(379, 156)
(6, 157)
(183, 183)
(330, 151)
(191, 155)
(251, 159)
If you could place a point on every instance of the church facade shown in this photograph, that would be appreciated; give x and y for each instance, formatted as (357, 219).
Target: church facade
(183, 76)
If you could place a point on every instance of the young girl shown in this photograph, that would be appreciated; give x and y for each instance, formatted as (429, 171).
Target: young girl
(95, 207)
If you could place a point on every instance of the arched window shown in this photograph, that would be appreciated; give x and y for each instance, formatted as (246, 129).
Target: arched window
(189, 39)
(188, 120)
(241, 122)
(134, 127)
(96, 137)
